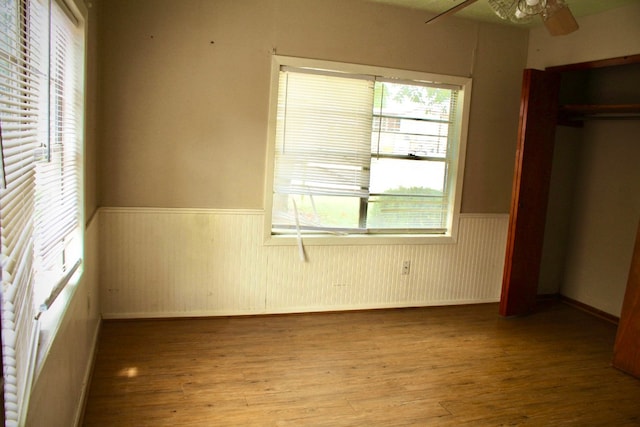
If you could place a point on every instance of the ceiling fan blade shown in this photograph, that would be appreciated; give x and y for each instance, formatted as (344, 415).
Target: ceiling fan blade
(560, 22)
(451, 11)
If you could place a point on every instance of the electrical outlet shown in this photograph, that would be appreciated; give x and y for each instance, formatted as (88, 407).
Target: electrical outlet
(406, 267)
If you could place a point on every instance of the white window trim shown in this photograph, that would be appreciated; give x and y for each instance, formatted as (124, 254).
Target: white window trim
(450, 236)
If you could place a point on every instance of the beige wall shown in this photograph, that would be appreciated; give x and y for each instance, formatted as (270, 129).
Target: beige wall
(605, 215)
(605, 35)
(566, 156)
(184, 91)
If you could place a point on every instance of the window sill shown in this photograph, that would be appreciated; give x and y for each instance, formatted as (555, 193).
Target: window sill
(51, 320)
(361, 240)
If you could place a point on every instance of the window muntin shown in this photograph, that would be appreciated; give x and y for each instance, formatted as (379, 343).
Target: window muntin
(392, 171)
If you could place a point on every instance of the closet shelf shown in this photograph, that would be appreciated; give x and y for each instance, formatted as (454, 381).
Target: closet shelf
(580, 112)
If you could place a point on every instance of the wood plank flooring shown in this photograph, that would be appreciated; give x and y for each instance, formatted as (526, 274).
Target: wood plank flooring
(440, 366)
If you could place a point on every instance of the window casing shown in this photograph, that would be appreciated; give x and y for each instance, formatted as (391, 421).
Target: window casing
(359, 153)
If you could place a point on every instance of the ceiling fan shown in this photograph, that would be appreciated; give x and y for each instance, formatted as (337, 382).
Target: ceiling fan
(555, 14)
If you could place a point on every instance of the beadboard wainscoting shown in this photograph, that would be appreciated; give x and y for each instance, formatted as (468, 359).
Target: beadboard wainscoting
(191, 262)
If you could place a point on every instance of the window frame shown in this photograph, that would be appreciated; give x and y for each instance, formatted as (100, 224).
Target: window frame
(464, 97)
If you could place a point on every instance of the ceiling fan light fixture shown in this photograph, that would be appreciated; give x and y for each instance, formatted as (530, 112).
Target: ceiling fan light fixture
(555, 14)
(517, 11)
(530, 8)
(501, 7)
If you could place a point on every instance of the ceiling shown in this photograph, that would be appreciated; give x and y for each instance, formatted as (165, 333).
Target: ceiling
(481, 11)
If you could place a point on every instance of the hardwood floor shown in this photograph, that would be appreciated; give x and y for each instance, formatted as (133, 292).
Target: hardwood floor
(442, 366)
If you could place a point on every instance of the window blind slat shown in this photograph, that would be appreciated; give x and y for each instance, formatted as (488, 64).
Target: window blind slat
(14, 226)
(20, 186)
(25, 139)
(19, 157)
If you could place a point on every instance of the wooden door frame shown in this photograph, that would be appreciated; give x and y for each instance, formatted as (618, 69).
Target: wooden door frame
(626, 352)
(532, 176)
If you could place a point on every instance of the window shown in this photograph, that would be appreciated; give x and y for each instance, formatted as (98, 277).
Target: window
(359, 150)
(41, 67)
(58, 233)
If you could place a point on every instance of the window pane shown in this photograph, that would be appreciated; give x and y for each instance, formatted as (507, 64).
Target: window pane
(407, 194)
(411, 119)
(58, 211)
(399, 176)
(407, 212)
(413, 100)
(315, 211)
(393, 136)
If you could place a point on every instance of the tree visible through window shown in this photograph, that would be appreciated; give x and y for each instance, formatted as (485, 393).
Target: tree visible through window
(364, 153)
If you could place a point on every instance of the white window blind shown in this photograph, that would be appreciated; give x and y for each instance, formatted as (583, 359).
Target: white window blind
(57, 209)
(364, 153)
(322, 138)
(41, 110)
(23, 65)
